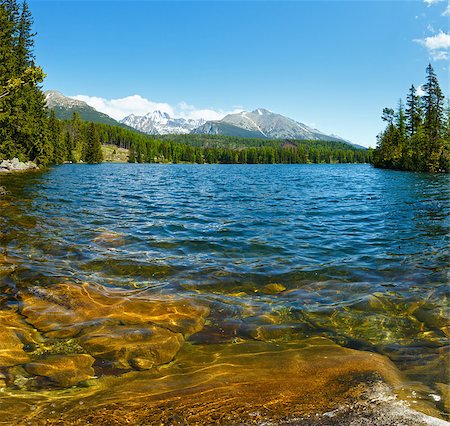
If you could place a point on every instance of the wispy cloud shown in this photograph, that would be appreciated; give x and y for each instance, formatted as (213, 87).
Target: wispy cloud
(439, 55)
(437, 45)
(138, 105)
(431, 2)
(446, 12)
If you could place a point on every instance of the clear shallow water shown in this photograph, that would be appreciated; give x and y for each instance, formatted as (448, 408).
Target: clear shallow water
(359, 255)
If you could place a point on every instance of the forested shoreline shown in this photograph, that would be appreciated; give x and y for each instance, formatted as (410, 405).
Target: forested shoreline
(417, 137)
(76, 140)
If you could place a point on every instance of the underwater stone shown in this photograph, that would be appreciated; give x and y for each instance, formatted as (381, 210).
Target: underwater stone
(109, 238)
(273, 288)
(63, 370)
(68, 309)
(128, 328)
(141, 347)
(14, 332)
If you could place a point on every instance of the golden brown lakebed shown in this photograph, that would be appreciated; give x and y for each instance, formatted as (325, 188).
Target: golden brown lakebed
(69, 353)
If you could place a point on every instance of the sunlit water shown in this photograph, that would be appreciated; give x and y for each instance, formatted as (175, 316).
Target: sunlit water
(348, 252)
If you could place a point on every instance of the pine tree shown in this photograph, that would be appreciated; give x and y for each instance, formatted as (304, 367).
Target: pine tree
(56, 137)
(8, 18)
(132, 155)
(93, 152)
(434, 105)
(23, 115)
(76, 137)
(25, 40)
(413, 111)
(400, 119)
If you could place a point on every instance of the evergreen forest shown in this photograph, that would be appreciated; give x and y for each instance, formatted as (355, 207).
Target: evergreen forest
(417, 135)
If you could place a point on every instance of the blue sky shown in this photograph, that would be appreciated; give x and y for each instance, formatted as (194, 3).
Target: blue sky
(333, 65)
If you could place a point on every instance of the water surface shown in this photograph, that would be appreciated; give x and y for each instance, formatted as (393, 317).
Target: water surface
(278, 253)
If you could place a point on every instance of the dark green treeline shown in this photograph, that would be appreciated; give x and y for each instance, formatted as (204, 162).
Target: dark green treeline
(417, 136)
(267, 152)
(26, 129)
(73, 139)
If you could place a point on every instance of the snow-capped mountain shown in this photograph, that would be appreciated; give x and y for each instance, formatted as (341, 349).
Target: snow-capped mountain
(161, 123)
(259, 123)
(262, 123)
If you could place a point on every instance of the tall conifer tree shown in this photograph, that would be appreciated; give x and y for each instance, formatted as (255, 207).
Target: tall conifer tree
(413, 111)
(434, 104)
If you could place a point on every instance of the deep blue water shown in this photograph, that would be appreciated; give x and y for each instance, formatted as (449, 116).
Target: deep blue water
(361, 254)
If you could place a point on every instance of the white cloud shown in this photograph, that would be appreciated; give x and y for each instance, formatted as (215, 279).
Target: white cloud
(185, 110)
(138, 105)
(439, 41)
(431, 2)
(446, 12)
(437, 45)
(120, 108)
(420, 92)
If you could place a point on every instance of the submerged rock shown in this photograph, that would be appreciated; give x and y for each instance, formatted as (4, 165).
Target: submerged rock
(314, 382)
(109, 238)
(63, 370)
(14, 335)
(65, 310)
(273, 288)
(141, 347)
(129, 328)
(7, 264)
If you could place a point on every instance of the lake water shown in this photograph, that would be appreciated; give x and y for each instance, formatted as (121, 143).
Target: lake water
(277, 254)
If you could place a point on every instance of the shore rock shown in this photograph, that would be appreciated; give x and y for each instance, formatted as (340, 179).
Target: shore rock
(15, 165)
(64, 370)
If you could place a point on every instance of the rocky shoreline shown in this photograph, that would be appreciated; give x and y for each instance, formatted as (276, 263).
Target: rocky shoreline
(14, 165)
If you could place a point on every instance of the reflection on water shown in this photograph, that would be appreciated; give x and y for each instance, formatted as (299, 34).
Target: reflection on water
(177, 271)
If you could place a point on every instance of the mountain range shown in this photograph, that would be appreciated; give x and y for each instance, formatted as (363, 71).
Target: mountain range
(161, 123)
(260, 123)
(263, 124)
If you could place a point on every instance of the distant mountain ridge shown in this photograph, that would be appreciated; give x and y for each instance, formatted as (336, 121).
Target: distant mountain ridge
(161, 123)
(64, 108)
(262, 123)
